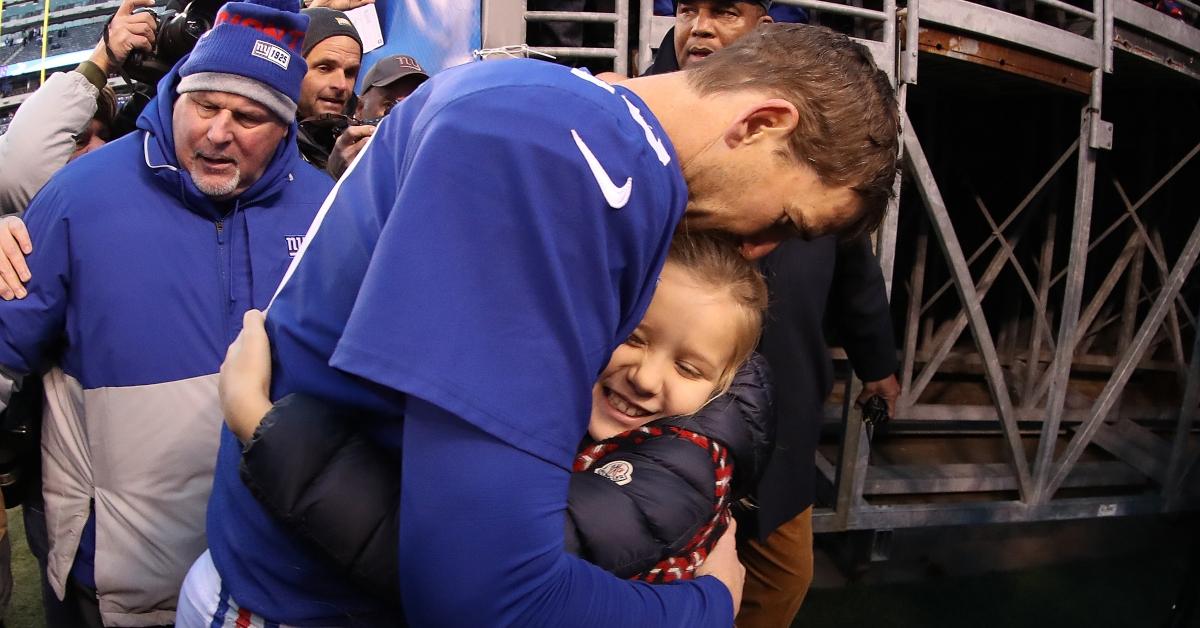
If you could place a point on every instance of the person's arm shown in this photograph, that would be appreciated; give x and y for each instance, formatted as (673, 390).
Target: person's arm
(346, 148)
(324, 479)
(30, 327)
(481, 542)
(318, 474)
(14, 246)
(864, 320)
(332, 486)
(41, 136)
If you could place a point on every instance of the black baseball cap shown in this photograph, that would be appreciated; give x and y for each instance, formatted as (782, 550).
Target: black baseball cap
(391, 69)
(324, 23)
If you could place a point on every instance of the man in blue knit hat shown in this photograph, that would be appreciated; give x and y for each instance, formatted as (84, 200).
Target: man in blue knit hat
(206, 204)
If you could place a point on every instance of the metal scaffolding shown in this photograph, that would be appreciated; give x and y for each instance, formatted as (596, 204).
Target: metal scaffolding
(1049, 351)
(1104, 458)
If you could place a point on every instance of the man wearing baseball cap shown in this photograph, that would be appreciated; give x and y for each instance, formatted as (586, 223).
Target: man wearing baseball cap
(146, 254)
(390, 81)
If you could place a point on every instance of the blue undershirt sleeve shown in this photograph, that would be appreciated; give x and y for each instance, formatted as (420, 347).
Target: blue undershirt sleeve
(481, 542)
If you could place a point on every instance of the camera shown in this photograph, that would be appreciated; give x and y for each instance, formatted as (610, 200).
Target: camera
(177, 30)
(176, 34)
(324, 129)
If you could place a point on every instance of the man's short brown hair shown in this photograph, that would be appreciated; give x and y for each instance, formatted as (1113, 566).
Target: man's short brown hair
(849, 122)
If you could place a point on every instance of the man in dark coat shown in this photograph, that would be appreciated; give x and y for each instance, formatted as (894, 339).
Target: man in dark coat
(802, 277)
(809, 281)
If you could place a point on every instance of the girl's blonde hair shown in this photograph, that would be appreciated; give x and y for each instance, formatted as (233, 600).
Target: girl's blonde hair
(715, 262)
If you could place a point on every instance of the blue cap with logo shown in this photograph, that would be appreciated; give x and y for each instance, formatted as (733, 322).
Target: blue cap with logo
(253, 50)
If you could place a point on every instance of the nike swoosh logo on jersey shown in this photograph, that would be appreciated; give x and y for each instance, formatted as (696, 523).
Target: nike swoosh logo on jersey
(617, 196)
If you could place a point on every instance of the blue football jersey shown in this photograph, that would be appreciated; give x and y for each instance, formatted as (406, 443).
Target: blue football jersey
(499, 236)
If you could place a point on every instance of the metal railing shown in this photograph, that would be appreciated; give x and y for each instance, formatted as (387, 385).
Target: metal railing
(619, 19)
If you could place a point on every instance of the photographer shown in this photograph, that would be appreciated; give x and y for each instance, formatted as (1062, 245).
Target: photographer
(390, 81)
(333, 51)
(71, 113)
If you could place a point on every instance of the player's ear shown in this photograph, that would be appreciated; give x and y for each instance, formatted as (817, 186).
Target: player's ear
(774, 119)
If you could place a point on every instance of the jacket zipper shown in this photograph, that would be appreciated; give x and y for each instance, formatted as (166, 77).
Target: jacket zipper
(222, 270)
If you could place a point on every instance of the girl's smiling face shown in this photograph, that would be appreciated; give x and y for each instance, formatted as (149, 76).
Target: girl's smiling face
(674, 361)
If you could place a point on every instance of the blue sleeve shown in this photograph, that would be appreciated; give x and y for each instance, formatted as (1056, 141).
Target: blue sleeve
(29, 327)
(481, 542)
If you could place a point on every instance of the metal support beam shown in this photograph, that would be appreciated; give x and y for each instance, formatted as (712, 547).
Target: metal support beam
(1060, 370)
(1013, 28)
(855, 455)
(1016, 213)
(502, 24)
(949, 336)
(1136, 446)
(944, 230)
(1041, 327)
(910, 479)
(1183, 266)
(1176, 468)
(907, 60)
(970, 513)
(1154, 243)
(1174, 332)
(1009, 253)
(912, 320)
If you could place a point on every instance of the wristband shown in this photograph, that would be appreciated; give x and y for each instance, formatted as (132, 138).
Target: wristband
(93, 74)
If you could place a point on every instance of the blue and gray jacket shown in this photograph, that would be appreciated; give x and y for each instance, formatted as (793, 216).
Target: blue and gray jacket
(139, 285)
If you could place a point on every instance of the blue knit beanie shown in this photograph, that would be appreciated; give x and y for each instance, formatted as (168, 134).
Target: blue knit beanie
(258, 40)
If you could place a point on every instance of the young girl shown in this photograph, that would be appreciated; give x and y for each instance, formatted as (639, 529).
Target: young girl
(680, 427)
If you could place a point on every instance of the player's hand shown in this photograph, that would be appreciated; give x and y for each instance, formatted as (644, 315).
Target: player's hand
(346, 148)
(126, 32)
(340, 5)
(722, 564)
(246, 377)
(14, 246)
(888, 388)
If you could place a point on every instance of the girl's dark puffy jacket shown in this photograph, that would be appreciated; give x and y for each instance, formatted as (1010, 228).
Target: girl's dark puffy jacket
(327, 482)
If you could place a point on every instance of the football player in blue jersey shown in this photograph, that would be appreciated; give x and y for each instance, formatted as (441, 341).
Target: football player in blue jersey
(677, 403)
(471, 274)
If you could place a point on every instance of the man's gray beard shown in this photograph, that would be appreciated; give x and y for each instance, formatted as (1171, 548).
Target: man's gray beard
(222, 189)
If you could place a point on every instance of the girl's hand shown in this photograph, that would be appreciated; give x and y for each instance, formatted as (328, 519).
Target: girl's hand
(246, 377)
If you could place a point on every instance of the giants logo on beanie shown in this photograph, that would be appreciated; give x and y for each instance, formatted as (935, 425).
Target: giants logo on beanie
(252, 50)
